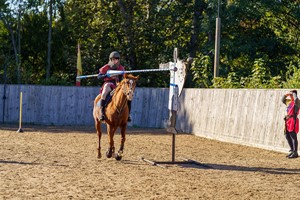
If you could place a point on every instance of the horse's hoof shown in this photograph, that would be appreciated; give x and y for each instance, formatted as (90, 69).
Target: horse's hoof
(99, 156)
(108, 154)
(117, 157)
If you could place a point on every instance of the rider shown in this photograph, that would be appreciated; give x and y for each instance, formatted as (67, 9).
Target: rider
(111, 83)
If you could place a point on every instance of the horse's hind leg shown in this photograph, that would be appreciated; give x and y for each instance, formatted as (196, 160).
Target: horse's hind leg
(98, 128)
(97, 124)
(119, 155)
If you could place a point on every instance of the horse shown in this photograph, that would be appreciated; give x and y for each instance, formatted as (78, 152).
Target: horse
(116, 115)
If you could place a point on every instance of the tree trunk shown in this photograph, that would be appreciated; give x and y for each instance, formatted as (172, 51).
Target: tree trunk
(13, 40)
(19, 48)
(49, 41)
(127, 14)
(199, 6)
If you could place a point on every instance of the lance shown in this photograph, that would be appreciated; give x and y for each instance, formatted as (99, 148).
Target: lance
(111, 73)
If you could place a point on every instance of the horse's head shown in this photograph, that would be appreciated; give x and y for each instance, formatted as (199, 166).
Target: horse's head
(128, 85)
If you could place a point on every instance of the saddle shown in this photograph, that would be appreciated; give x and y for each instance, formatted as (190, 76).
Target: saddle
(107, 99)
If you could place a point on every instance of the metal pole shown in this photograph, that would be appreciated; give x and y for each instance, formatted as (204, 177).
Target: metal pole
(173, 110)
(218, 8)
(173, 107)
(217, 43)
(217, 48)
(173, 147)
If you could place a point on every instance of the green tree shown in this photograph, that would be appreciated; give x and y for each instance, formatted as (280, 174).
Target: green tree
(259, 40)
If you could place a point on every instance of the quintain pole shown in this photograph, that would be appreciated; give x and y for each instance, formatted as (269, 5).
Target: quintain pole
(177, 79)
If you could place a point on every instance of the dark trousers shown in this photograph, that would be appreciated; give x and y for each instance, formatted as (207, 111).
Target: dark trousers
(291, 137)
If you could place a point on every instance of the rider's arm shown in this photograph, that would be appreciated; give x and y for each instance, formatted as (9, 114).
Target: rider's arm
(283, 99)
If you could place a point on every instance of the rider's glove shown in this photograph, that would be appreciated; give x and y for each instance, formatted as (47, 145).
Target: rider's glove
(101, 76)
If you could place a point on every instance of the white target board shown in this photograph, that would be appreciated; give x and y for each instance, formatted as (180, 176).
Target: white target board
(177, 79)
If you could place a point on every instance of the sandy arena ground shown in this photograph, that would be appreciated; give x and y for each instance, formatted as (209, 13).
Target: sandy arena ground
(61, 163)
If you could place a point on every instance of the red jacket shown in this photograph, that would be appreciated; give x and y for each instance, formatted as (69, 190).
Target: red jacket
(112, 81)
(105, 68)
(290, 118)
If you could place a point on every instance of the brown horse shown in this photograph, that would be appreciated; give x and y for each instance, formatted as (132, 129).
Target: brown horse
(116, 115)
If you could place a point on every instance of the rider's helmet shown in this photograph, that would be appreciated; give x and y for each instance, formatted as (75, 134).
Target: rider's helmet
(114, 54)
(111, 63)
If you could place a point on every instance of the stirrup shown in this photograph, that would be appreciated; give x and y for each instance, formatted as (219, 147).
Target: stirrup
(129, 119)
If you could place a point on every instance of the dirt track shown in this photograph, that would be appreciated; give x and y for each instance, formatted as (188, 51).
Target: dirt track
(60, 163)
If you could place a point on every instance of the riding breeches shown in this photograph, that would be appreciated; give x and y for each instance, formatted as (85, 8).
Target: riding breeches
(291, 137)
(105, 90)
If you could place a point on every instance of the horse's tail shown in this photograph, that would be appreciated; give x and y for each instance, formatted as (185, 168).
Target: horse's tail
(97, 99)
(96, 109)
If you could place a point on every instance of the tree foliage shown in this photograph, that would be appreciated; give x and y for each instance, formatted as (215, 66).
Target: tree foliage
(260, 40)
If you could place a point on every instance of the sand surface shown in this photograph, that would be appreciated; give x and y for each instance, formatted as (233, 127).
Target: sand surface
(61, 163)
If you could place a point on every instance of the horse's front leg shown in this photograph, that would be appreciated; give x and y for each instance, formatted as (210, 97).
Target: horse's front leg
(111, 148)
(119, 155)
(99, 133)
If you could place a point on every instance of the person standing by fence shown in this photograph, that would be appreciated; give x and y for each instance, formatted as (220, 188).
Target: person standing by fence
(291, 121)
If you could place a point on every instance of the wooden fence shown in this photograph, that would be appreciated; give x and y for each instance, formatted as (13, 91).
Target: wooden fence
(245, 116)
(251, 117)
(61, 105)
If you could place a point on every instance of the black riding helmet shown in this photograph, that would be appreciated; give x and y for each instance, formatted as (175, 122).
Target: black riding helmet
(114, 54)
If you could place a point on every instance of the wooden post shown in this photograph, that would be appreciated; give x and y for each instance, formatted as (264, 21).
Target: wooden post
(20, 117)
(177, 78)
(217, 48)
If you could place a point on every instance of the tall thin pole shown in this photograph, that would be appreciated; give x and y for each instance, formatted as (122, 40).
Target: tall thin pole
(218, 8)
(4, 93)
(20, 117)
(217, 43)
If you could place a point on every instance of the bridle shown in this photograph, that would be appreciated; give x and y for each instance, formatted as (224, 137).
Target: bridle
(128, 91)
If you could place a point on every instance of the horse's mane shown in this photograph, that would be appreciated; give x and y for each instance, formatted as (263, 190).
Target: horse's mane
(130, 76)
(119, 87)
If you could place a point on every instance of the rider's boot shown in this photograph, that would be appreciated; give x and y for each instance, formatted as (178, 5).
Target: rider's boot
(102, 104)
(291, 152)
(294, 155)
(129, 108)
